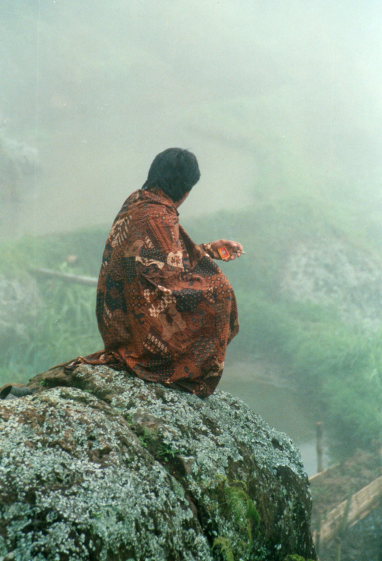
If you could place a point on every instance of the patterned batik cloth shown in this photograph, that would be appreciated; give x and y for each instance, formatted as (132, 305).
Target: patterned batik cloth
(165, 310)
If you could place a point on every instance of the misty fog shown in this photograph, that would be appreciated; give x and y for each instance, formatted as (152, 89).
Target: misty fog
(281, 102)
(268, 94)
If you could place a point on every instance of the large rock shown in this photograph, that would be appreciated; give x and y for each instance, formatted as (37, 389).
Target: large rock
(98, 465)
(334, 273)
(19, 304)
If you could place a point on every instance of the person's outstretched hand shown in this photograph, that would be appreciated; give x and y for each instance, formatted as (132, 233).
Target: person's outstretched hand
(235, 249)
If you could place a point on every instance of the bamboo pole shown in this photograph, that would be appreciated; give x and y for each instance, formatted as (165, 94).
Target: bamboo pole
(66, 277)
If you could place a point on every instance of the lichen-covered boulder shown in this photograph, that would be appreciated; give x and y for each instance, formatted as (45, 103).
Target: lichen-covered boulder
(99, 465)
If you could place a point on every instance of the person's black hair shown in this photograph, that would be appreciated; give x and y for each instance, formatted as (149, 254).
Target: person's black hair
(175, 171)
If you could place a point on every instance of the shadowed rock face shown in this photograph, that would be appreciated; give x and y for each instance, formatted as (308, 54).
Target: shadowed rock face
(98, 465)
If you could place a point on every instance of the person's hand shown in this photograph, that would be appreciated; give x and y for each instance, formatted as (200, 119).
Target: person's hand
(235, 249)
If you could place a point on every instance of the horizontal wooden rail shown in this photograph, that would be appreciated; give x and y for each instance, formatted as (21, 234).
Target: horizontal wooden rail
(350, 511)
(66, 277)
(322, 474)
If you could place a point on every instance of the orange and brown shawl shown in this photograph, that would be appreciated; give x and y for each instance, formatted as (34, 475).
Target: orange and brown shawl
(165, 310)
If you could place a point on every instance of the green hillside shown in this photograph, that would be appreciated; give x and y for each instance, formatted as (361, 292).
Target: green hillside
(335, 362)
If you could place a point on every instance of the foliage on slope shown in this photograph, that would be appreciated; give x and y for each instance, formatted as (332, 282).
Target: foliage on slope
(336, 363)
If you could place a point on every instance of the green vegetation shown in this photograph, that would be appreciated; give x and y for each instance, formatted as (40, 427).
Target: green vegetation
(296, 558)
(63, 324)
(336, 363)
(238, 505)
(235, 503)
(63, 328)
(338, 366)
(150, 439)
(225, 548)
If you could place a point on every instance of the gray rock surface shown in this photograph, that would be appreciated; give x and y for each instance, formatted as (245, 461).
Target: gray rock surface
(99, 465)
(19, 169)
(19, 303)
(333, 273)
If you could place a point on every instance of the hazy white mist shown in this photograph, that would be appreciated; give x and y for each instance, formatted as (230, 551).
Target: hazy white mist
(270, 94)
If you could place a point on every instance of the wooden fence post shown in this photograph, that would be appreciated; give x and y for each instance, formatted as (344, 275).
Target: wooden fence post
(320, 446)
(343, 528)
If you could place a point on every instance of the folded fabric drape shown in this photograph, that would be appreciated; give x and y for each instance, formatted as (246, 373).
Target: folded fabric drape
(165, 310)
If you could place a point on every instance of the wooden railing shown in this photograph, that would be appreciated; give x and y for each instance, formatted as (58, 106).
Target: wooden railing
(349, 511)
